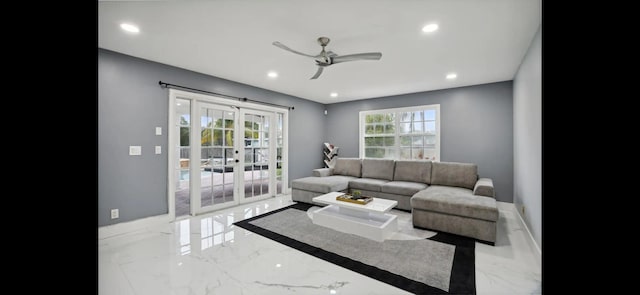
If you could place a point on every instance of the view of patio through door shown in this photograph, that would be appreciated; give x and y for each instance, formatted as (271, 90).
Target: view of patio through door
(217, 159)
(231, 154)
(256, 154)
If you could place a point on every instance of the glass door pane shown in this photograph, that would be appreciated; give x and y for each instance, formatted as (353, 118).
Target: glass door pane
(217, 161)
(279, 154)
(182, 155)
(257, 154)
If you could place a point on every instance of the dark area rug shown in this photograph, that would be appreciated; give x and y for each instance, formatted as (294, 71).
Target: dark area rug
(442, 264)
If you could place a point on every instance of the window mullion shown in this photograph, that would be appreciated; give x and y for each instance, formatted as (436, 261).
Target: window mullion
(397, 134)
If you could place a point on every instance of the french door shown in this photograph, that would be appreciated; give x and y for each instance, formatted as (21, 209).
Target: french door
(226, 155)
(215, 149)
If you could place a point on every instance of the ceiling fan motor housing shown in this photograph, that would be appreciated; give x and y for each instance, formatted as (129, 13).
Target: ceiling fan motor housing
(323, 41)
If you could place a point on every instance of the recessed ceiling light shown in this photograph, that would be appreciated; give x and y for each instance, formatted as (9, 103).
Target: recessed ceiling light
(333, 94)
(178, 104)
(129, 28)
(430, 28)
(452, 76)
(272, 74)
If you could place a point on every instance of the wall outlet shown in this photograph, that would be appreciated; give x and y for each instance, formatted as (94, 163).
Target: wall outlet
(135, 150)
(115, 213)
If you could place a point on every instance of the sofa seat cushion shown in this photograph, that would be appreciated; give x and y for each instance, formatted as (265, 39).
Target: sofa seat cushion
(455, 201)
(406, 188)
(327, 184)
(369, 184)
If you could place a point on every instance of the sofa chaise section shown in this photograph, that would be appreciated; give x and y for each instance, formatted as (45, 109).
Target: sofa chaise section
(457, 202)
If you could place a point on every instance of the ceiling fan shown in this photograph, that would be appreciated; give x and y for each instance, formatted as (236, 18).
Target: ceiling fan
(327, 58)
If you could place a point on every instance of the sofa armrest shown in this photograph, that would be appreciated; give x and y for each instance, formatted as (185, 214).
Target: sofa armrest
(484, 187)
(322, 172)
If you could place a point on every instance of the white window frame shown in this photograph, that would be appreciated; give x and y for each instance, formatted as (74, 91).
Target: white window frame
(397, 112)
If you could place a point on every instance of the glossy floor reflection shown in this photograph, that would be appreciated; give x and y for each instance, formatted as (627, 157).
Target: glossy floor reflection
(209, 255)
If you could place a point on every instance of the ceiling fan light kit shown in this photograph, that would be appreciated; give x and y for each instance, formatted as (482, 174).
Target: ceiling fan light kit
(327, 58)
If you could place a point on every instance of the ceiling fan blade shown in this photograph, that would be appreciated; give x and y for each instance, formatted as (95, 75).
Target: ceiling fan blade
(317, 73)
(278, 44)
(357, 56)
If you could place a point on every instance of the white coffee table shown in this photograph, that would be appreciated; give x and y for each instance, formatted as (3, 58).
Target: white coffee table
(369, 221)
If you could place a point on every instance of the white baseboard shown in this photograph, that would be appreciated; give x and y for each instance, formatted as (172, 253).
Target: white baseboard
(512, 207)
(130, 226)
(533, 241)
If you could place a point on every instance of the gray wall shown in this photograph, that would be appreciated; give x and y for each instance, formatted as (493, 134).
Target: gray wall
(527, 138)
(131, 104)
(476, 127)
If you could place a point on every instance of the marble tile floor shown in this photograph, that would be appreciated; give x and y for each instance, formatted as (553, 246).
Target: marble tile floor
(206, 254)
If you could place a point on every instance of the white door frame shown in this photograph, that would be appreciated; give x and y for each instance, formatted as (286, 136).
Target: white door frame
(173, 139)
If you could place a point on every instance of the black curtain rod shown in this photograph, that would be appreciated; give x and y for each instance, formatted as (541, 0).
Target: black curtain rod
(167, 85)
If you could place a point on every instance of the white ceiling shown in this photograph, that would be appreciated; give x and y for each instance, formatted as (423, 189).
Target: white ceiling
(482, 41)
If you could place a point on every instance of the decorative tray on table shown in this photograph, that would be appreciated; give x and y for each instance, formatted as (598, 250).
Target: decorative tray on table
(362, 200)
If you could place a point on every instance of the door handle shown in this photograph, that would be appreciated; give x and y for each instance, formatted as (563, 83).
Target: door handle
(237, 160)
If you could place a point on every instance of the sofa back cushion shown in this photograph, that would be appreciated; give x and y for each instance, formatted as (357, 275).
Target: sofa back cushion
(378, 168)
(454, 174)
(415, 171)
(348, 167)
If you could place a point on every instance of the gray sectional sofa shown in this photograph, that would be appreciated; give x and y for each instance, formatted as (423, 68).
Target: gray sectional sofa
(442, 196)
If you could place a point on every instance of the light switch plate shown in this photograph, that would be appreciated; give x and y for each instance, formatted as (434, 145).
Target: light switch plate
(135, 150)
(158, 149)
(158, 130)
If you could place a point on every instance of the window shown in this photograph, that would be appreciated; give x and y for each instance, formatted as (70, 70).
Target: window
(402, 133)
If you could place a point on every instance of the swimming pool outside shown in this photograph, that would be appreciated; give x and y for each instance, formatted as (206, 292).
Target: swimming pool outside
(184, 174)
